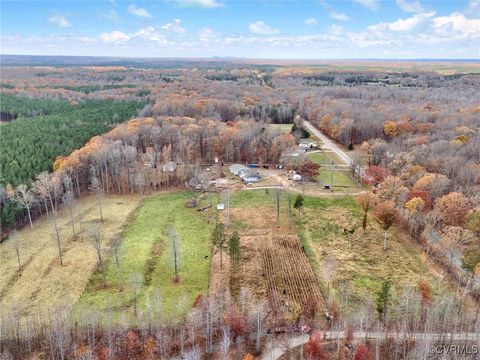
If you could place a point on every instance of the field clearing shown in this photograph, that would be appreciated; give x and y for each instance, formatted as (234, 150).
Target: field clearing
(361, 263)
(146, 265)
(341, 179)
(273, 260)
(282, 128)
(43, 283)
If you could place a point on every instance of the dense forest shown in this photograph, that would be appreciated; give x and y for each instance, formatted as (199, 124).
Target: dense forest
(415, 132)
(45, 129)
(414, 137)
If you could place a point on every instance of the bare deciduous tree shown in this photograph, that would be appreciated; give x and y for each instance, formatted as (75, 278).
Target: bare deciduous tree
(174, 244)
(68, 200)
(225, 342)
(57, 237)
(136, 281)
(26, 198)
(97, 188)
(96, 236)
(259, 315)
(16, 244)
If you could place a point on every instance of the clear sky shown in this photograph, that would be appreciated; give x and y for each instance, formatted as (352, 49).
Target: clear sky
(313, 29)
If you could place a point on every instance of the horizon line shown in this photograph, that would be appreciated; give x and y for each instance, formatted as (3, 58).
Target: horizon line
(470, 60)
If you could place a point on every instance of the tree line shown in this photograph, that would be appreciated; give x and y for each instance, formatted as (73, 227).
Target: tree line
(134, 157)
(225, 326)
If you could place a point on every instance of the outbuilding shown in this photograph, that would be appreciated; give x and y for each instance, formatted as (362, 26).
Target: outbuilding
(236, 169)
(251, 179)
(251, 176)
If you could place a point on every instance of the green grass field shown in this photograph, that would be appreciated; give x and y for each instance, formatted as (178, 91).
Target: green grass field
(325, 158)
(146, 263)
(320, 158)
(342, 181)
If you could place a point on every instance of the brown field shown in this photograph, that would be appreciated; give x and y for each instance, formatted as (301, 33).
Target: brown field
(42, 282)
(273, 261)
(294, 280)
(361, 261)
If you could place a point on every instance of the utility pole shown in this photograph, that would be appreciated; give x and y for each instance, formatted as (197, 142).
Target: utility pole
(331, 176)
(227, 204)
(277, 194)
(289, 211)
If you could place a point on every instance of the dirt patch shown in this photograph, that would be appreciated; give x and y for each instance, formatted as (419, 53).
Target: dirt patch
(288, 271)
(219, 275)
(273, 261)
(262, 219)
(152, 261)
(251, 274)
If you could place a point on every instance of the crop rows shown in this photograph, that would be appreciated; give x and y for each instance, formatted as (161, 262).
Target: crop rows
(287, 270)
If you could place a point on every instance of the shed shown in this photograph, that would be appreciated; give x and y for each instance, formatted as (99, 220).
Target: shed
(220, 206)
(251, 176)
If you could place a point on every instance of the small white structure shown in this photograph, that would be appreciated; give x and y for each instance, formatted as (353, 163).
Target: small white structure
(220, 206)
(297, 177)
(293, 153)
(310, 145)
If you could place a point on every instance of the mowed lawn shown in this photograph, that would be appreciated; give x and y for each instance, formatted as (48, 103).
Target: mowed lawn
(324, 158)
(341, 178)
(43, 284)
(146, 262)
(359, 264)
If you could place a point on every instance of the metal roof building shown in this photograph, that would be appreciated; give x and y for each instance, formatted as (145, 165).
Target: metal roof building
(236, 169)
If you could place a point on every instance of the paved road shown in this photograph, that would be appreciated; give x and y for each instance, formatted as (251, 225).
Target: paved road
(275, 351)
(329, 143)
